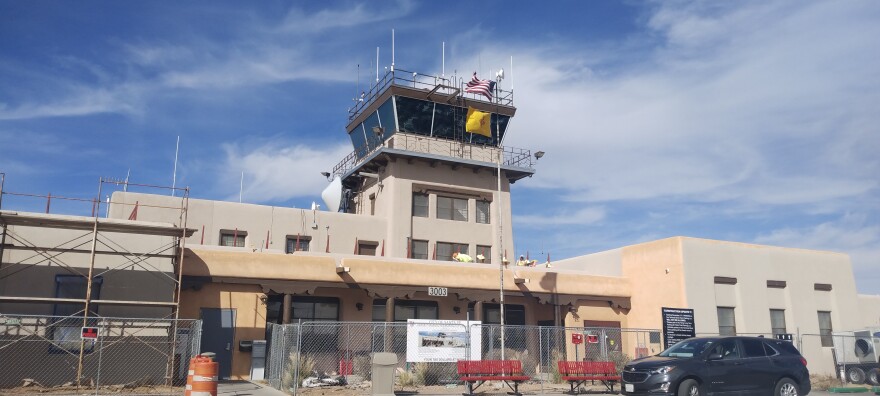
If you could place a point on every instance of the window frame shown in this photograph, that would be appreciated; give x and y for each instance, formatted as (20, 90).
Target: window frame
(412, 252)
(733, 317)
(416, 304)
(488, 213)
(291, 240)
(235, 235)
(454, 247)
(826, 335)
(455, 205)
(69, 326)
(426, 206)
(773, 326)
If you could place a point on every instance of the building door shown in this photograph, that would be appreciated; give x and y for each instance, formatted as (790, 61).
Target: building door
(218, 332)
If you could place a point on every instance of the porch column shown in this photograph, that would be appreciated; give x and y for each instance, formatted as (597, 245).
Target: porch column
(285, 309)
(478, 311)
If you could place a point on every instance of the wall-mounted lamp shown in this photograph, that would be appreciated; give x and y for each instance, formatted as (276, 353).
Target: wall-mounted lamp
(539, 154)
(457, 310)
(264, 299)
(359, 306)
(326, 174)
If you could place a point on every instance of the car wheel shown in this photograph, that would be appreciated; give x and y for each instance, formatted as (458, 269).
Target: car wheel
(855, 375)
(689, 387)
(786, 387)
(874, 377)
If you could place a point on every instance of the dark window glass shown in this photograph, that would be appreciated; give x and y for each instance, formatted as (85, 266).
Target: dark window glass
(302, 246)
(514, 316)
(419, 249)
(317, 309)
(66, 333)
(483, 212)
(726, 348)
(770, 350)
(452, 208)
(485, 251)
(825, 328)
(414, 115)
(449, 122)
(414, 309)
(784, 346)
(367, 248)
(379, 306)
(358, 140)
(753, 348)
(726, 321)
(446, 249)
(373, 139)
(420, 205)
(234, 239)
(386, 118)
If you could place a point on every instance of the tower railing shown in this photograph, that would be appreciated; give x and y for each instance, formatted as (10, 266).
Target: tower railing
(443, 85)
(512, 156)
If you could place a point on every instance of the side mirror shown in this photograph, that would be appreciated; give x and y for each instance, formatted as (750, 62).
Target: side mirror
(714, 356)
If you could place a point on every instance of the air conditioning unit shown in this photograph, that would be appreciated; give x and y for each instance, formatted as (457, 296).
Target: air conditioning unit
(866, 346)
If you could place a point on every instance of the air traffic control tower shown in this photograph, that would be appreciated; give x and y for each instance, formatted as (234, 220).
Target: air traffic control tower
(415, 164)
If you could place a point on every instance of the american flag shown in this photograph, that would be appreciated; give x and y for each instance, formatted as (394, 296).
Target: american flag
(482, 87)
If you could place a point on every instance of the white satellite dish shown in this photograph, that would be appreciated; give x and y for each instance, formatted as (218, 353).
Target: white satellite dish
(332, 195)
(500, 74)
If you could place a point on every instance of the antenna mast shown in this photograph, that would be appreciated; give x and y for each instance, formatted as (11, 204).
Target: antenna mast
(392, 50)
(174, 176)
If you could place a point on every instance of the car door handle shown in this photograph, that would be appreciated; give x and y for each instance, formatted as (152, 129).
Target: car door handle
(737, 363)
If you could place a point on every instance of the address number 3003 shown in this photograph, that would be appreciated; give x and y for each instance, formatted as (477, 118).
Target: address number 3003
(438, 291)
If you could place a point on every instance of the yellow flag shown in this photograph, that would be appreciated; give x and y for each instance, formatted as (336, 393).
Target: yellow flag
(479, 122)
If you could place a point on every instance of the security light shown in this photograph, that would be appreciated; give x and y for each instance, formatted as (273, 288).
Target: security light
(539, 154)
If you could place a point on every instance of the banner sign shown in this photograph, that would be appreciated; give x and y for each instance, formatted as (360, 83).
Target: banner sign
(442, 340)
(678, 325)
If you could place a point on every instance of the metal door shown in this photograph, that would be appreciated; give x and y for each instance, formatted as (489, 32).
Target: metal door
(218, 332)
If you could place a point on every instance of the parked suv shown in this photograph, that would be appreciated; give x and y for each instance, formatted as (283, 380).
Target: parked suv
(713, 365)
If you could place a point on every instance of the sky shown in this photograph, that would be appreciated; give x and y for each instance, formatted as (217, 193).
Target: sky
(748, 121)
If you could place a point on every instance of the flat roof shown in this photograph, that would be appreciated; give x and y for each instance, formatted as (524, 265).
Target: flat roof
(30, 219)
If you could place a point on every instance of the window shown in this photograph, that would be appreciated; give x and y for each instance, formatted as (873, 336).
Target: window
(777, 321)
(232, 238)
(452, 208)
(414, 309)
(379, 306)
(419, 249)
(514, 316)
(66, 332)
(727, 349)
(825, 328)
(317, 309)
(367, 248)
(483, 212)
(420, 205)
(297, 244)
(486, 251)
(726, 321)
(446, 249)
(753, 348)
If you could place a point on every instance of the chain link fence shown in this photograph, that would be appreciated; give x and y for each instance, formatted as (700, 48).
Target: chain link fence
(51, 354)
(853, 356)
(318, 354)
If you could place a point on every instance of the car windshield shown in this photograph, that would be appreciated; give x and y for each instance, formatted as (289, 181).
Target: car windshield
(687, 348)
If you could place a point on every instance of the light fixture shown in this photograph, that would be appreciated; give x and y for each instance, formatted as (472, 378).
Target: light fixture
(326, 174)
(457, 310)
(359, 306)
(539, 154)
(378, 130)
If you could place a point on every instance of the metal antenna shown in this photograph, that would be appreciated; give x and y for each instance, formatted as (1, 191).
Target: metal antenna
(174, 177)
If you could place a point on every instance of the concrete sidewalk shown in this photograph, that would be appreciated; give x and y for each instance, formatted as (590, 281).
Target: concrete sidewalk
(246, 388)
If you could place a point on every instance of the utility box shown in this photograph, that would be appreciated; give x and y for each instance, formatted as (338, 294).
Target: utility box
(258, 360)
(384, 365)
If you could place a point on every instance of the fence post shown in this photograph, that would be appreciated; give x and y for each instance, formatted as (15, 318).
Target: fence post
(299, 331)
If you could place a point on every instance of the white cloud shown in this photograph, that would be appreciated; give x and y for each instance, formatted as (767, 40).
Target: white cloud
(583, 216)
(278, 172)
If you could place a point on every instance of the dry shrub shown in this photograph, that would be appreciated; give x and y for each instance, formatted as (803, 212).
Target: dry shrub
(620, 360)
(430, 373)
(555, 376)
(824, 381)
(294, 376)
(405, 378)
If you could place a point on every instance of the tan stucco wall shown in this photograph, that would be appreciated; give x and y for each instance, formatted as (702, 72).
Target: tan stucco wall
(250, 316)
(656, 276)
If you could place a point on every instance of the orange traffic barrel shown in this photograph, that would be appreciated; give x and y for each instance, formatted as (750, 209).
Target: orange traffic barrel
(204, 380)
(190, 370)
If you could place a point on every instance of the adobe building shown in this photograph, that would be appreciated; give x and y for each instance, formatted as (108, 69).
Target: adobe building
(417, 189)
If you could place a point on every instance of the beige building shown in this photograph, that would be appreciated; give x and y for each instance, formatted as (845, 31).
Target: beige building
(418, 189)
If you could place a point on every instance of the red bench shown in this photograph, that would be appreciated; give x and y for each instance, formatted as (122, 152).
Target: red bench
(577, 373)
(480, 371)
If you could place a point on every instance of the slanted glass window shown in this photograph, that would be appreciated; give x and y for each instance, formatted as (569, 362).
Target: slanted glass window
(726, 321)
(449, 122)
(420, 205)
(414, 115)
(446, 249)
(386, 118)
(371, 127)
(419, 249)
(359, 140)
(65, 333)
(777, 321)
(449, 208)
(232, 238)
(297, 244)
(483, 212)
(414, 309)
(825, 328)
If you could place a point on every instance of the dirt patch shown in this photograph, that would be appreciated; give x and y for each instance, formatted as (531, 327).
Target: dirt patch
(104, 390)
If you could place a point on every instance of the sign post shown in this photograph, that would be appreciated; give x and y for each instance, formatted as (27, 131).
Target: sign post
(576, 339)
(678, 325)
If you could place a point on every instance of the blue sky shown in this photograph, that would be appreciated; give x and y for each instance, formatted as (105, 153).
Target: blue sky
(751, 121)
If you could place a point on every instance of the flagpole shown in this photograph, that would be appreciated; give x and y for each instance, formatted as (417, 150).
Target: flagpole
(500, 244)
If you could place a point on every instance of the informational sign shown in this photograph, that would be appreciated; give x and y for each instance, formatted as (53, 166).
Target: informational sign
(90, 333)
(442, 340)
(678, 325)
(593, 338)
(577, 338)
(438, 291)
(784, 337)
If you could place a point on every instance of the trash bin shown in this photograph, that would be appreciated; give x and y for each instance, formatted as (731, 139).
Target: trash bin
(384, 364)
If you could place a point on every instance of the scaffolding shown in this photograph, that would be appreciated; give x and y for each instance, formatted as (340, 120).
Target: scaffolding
(90, 248)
